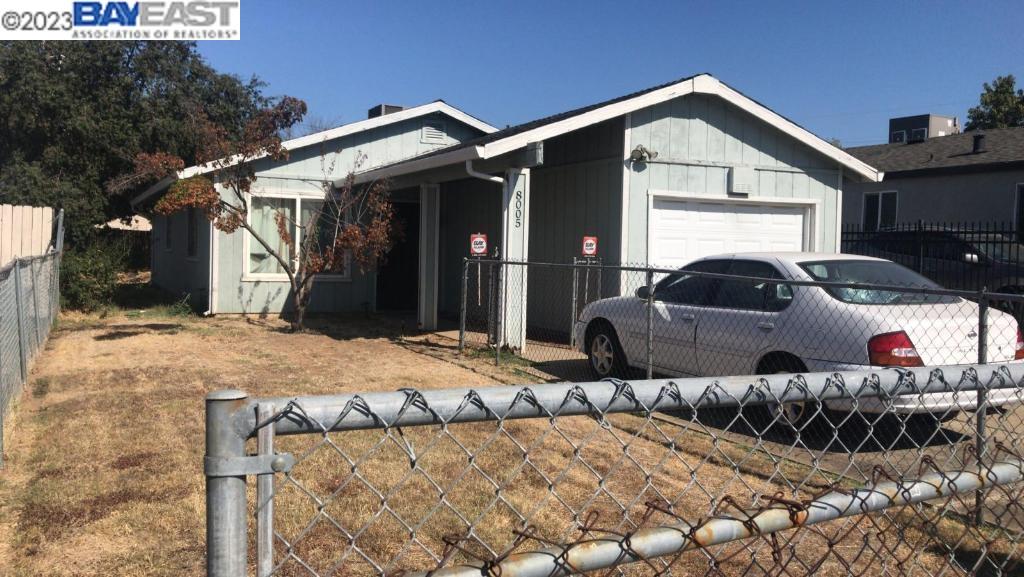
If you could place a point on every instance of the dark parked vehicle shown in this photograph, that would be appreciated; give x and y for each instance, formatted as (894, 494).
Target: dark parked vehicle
(956, 257)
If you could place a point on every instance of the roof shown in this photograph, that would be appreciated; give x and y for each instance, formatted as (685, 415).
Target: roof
(1004, 148)
(437, 106)
(519, 136)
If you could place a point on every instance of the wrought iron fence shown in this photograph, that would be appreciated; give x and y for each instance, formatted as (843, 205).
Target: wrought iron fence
(735, 316)
(672, 476)
(958, 255)
(29, 301)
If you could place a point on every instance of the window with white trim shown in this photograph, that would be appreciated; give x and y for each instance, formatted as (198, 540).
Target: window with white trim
(899, 136)
(879, 210)
(267, 214)
(919, 134)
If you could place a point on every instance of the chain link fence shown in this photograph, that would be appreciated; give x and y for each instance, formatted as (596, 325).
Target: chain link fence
(646, 477)
(29, 302)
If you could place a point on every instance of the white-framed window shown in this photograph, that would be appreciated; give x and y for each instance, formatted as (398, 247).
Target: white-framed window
(880, 209)
(899, 136)
(919, 134)
(168, 232)
(295, 211)
(434, 132)
(192, 228)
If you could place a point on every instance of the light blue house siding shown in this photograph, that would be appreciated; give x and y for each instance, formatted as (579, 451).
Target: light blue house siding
(303, 174)
(576, 193)
(698, 138)
(172, 267)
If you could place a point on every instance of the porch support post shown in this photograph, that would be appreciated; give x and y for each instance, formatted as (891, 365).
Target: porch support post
(515, 208)
(430, 211)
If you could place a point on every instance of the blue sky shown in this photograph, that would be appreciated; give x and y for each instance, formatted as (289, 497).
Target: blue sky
(840, 69)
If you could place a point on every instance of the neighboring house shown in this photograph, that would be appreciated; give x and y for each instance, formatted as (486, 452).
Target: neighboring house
(921, 127)
(226, 273)
(661, 176)
(976, 176)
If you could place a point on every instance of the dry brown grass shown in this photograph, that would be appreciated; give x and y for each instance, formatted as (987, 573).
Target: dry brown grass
(104, 469)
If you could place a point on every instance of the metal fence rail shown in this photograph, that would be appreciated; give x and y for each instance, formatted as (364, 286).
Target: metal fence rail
(667, 476)
(29, 302)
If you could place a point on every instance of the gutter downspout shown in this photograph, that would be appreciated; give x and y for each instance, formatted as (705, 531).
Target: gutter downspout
(501, 283)
(211, 293)
(481, 175)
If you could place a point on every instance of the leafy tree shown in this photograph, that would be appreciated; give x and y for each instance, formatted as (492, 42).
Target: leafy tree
(1001, 105)
(351, 220)
(76, 114)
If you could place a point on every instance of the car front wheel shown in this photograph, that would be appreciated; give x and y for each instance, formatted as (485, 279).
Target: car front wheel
(604, 352)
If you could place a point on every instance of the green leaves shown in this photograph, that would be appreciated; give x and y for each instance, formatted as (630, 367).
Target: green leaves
(1001, 106)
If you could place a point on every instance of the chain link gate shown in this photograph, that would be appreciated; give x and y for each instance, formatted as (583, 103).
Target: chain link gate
(669, 476)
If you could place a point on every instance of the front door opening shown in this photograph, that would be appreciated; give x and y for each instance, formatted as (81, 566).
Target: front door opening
(397, 277)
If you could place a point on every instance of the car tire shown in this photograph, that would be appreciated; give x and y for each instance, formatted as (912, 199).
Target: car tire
(791, 417)
(604, 353)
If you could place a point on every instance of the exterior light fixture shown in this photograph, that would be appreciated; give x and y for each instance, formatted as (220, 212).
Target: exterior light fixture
(642, 154)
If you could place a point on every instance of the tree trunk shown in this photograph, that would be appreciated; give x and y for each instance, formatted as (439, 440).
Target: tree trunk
(303, 290)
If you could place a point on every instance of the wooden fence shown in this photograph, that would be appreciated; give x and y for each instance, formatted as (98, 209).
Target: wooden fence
(24, 231)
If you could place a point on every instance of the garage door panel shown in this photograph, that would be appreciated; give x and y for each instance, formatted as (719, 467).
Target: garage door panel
(685, 230)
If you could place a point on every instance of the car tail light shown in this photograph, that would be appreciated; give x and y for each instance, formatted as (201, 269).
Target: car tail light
(1019, 352)
(893, 350)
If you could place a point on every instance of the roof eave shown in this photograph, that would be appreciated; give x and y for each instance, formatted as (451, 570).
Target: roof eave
(702, 83)
(152, 191)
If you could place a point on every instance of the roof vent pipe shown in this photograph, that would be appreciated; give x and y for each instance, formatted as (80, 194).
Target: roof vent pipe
(979, 143)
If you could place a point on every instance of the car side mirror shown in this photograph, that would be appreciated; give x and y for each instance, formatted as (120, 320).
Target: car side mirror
(971, 258)
(643, 292)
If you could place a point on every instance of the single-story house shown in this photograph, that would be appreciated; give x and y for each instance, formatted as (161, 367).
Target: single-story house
(226, 273)
(660, 176)
(976, 176)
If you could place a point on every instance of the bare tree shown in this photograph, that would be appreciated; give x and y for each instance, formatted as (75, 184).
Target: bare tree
(351, 221)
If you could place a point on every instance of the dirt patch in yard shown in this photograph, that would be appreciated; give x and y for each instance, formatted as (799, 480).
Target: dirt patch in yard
(104, 468)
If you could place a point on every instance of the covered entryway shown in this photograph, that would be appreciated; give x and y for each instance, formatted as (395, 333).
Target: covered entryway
(397, 276)
(682, 230)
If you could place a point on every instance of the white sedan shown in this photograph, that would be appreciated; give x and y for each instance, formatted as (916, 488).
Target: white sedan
(706, 326)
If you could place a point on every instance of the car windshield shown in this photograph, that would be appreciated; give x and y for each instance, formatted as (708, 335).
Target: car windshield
(873, 272)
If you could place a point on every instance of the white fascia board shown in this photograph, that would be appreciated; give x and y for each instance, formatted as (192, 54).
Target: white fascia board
(806, 137)
(456, 156)
(595, 116)
(704, 83)
(346, 130)
(155, 189)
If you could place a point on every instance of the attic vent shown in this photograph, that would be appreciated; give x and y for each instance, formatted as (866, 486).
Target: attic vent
(741, 180)
(434, 133)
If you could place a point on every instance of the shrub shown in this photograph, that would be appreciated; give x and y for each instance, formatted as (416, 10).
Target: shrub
(88, 276)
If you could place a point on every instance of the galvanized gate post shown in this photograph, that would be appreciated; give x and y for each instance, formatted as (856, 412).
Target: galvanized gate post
(980, 414)
(19, 311)
(226, 538)
(265, 494)
(650, 324)
(462, 306)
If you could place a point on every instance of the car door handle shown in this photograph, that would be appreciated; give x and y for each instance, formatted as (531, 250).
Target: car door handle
(766, 326)
(686, 317)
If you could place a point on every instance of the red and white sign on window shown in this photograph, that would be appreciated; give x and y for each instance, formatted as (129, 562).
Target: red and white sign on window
(478, 244)
(590, 246)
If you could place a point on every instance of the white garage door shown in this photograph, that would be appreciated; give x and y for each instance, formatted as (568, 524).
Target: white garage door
(684, 230)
